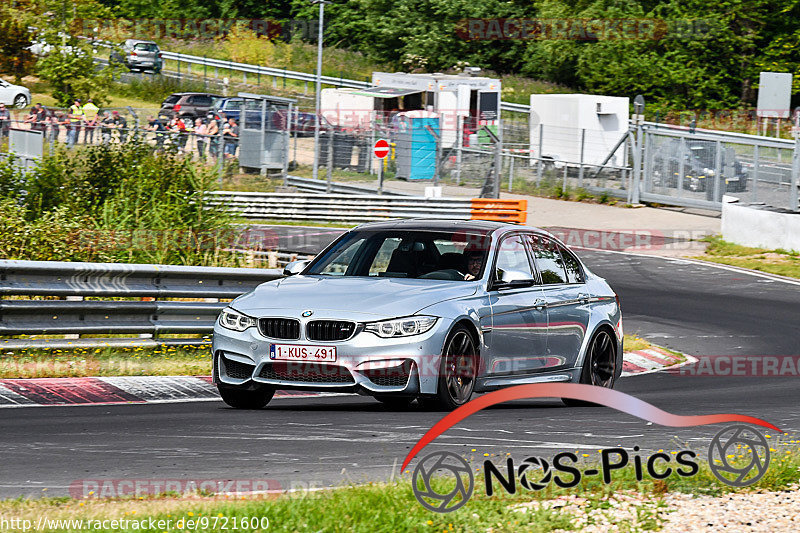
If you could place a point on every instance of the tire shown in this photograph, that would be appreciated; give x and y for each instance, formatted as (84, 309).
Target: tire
(457, 372)
(20, 101)
(395, 403)
(241, 398)
(599, 367)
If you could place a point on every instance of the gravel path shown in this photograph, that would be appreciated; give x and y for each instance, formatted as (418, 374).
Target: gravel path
(756, 512)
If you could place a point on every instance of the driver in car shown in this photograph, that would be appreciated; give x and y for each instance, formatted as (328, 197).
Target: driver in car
(474, 265)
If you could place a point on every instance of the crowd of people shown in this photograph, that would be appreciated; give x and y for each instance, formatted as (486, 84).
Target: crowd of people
(208, 137)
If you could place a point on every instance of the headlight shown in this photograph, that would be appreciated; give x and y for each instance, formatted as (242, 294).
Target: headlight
(401, 327)
(235, 320)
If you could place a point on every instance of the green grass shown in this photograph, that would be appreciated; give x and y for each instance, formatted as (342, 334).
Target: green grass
(133, 361)
(781, 262)
(378, 507)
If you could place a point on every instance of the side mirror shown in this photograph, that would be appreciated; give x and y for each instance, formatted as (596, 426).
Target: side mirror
(513, 279)
(295, 267)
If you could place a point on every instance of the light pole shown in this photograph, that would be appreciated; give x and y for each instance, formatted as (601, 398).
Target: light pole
(315, 169)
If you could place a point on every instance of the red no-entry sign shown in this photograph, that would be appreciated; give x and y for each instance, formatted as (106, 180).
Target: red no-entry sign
(381, 148)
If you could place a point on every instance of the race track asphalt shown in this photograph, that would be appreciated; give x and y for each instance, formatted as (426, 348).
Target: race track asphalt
(693, 308)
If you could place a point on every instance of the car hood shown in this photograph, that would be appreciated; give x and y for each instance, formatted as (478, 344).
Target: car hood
(349, 297)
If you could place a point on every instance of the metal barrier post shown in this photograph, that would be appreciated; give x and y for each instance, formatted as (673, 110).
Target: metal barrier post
(539, 168)
(330, 159)
(715, 189)
(580, 165)
(795, 172)
(511, 172)
(755, 173)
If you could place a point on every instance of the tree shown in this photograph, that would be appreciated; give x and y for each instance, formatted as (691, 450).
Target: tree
(15, 58)
(71, 71)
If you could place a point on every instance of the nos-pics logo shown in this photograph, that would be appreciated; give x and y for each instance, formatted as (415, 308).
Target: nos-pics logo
(443, 481)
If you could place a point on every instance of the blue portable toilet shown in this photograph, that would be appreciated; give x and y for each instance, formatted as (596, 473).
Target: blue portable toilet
(415, 150)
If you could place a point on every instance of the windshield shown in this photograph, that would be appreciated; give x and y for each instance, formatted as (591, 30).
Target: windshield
(444, 255)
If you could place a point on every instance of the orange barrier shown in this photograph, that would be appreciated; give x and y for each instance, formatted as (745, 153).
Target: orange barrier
(514, 211)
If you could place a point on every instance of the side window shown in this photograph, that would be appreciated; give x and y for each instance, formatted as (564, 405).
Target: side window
(511, 256)
(202, 100)
(383, 256)
(548, 260)
(342, 259)
(573, 267)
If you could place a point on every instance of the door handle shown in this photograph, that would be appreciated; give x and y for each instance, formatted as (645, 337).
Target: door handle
(540, 303)
(583, 298)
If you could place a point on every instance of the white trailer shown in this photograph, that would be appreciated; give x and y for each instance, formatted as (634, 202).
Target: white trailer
(575, 128)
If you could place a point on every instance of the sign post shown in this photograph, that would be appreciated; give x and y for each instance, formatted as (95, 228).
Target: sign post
(381, 150)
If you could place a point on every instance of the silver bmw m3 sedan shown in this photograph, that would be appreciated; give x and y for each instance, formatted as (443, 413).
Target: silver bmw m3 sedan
(424, 310)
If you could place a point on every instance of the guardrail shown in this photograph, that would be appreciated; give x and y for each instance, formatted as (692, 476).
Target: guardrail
(79, 281)
(365, 208)
(248, 68)
(321, 186)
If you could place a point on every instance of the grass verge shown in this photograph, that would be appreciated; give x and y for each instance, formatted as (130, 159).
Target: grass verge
(781, 262)
(628, 504)
(85, 362)
(133, 361)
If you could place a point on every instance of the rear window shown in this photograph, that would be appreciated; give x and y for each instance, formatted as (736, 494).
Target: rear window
(146, 47)
(172, 99)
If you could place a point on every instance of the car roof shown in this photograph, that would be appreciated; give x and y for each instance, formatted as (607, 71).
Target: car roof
(445, 225)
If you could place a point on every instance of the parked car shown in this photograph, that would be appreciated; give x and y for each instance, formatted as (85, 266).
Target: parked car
(188, 105)
(233, 107)
(139, 55)
(14, 95)
(305, 124)
(699, 168)
(432, 310)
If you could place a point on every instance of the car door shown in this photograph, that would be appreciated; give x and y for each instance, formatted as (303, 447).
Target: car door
(566, 297)
(517, 341)
(5, 93)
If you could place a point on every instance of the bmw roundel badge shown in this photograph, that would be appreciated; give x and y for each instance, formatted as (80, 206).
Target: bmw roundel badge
(308, 313)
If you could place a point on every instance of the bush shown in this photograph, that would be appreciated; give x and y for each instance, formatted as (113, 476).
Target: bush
(113, 204)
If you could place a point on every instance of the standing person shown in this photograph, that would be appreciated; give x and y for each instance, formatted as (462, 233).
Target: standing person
(231, 134)
(106, 123)
(75, 120)
(200, 131)
(213, 139)
(5, 121)
(90, 112)
(121, 125)
(155, 125)
(56, 121)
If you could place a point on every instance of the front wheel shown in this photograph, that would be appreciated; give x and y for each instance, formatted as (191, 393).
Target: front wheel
(20, 101)
(599, 367)
(457, 372)
(241, 398)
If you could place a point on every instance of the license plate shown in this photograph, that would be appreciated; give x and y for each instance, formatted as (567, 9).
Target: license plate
(300, 352)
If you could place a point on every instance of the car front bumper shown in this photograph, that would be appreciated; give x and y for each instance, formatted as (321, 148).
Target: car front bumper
(365, 363)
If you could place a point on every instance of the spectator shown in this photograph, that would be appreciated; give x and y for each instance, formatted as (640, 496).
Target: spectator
(90, 112)
(121, 125)
(231, 134)
(200, 131)
(213, 139)
(106, 123)
(56, 121)
(177, 128)
(5, 121)
(75, 120)
(155, 125)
